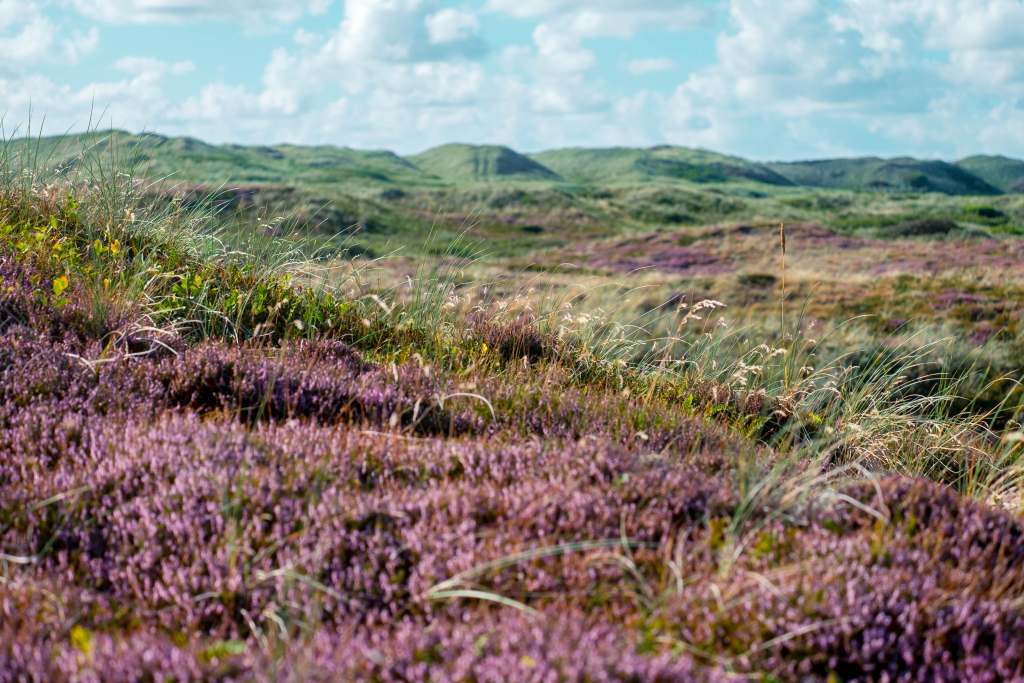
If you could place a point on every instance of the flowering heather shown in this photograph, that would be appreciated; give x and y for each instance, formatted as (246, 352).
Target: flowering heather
(932, 595)
(492, 649)
(302, 510)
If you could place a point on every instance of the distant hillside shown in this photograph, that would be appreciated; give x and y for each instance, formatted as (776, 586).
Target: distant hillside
(872, 173)
(1001, 172)
(192, 160)
(331, 169)
(480, 162)
(617, 164)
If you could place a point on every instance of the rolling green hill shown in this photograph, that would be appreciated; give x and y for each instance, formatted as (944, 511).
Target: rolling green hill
(664, 162)
(191, 160)
(903, 174)
(460, 162)
(1001, 172)
(380, 201)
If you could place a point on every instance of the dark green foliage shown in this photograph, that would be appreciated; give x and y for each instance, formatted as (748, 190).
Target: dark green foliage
(924, 227)
(820, 202)
(890, 175)
(999, 171)
(757, 280)
(985, 213)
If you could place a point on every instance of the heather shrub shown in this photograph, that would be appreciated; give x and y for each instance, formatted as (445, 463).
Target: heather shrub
(213, 467)
(924, 595)
(513, 340)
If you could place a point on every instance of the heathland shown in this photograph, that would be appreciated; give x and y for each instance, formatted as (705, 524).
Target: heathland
(315, 413)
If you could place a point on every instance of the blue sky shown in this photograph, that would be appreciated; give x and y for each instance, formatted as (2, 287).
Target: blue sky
(768, 79)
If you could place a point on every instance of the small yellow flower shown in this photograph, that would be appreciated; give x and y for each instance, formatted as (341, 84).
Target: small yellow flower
(484, 348)
(60, 284)
(81, 640)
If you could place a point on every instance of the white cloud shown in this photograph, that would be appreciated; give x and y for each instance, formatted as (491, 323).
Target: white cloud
(670, 11)
(136, 101)
(982, 43)
(641, 67)
(28, 37)
(783, 66)
(81, 44)
(404, 30)
(529, 8)
(561, 51)
(176, 11)
(29, 41)
(566, 26)
(380, 29)
(451, 25)
(219, 101)
(405, 60)
(810, 78)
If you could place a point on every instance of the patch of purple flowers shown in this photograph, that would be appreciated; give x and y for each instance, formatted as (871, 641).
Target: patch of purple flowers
(298, 513)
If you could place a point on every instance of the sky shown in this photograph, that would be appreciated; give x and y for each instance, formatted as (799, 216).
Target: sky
(765, 79)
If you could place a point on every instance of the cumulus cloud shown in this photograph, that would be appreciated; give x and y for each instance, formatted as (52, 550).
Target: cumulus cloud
(561, 36)
(984, 42)
(177, 11)
(31, 42)
(81, 44)
(404, 30)
(561, 51)
(389, 67)
(28, 37)
(451, 25)
(819, 77)
(674, 12)
(388, 51)
(136, 100)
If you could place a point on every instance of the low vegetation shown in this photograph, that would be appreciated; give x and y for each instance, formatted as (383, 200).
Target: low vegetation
(225, 454)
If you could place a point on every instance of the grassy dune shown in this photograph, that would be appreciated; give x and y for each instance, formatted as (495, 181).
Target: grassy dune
(512, 204)
(223, 459)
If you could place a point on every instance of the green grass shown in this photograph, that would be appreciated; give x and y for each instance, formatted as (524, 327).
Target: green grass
(459, 162)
